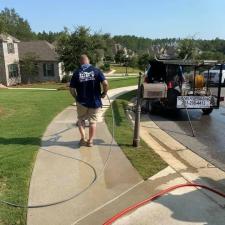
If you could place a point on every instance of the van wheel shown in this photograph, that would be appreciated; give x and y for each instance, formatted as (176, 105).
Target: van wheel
(207, 111)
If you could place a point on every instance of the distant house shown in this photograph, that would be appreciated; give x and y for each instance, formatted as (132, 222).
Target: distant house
(9, 60)
(49, 67)
(12, 51)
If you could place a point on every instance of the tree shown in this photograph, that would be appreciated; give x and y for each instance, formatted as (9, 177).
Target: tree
(120, 56)
(71, 45)
(50, 36)
(143, 61)
(109, 45)
(13, 24)
(212, 55)
(2, 26)
(132, 61)
(187, 48)
(28, 67)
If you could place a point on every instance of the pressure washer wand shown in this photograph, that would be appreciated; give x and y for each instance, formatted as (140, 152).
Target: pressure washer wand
(189, 119)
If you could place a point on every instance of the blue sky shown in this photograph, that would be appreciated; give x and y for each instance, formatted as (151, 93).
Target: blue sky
(148, 18)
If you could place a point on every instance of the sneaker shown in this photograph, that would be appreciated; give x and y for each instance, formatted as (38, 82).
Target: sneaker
(90, 144)
(83, 142)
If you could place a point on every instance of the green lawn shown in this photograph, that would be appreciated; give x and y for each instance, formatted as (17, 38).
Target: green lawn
(122, 69)
(52, 85)
(113, 83)
(144, 159)
(122, 82)
(24, 116)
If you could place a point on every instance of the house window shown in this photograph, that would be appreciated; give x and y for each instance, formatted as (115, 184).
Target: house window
(10, 47)
(48, 70)
(13, 70)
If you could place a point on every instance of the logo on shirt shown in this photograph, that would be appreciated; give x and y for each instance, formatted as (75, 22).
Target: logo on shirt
(86, 76)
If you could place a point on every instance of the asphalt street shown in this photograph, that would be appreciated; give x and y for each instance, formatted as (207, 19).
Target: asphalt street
(209, 140)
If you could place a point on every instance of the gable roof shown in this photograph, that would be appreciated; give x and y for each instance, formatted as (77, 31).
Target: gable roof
(42, 49)
(5, 37)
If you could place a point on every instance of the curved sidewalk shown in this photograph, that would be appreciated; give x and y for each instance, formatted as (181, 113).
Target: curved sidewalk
(56, 178)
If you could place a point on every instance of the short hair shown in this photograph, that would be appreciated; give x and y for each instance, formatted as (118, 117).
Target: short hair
(83, 56)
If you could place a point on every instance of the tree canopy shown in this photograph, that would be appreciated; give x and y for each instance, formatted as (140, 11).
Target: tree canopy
(101, 47)
(71, 45)
(12, 23)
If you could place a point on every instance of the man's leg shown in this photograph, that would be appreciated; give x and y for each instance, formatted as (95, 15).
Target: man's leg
(81, 126)
(92, 131)
(82, 114)
(93, 117)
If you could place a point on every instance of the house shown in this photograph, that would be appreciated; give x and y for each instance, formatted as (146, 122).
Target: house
(9, 60)
(13, 51)
(49, 67)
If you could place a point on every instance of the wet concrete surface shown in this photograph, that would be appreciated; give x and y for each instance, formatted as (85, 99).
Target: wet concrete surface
(209, 140)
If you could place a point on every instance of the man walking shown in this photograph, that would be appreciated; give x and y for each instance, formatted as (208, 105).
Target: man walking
(85, 87)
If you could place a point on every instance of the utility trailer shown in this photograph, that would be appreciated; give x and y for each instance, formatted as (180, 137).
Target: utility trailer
(181, 84)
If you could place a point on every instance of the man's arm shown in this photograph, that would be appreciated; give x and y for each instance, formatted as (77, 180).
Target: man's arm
(73, 92)
(105, 87)
(73, 84)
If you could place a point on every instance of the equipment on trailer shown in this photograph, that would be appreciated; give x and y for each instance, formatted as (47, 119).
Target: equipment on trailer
(180, 84)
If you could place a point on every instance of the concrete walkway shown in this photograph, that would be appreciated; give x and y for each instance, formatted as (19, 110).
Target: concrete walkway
(55, 178)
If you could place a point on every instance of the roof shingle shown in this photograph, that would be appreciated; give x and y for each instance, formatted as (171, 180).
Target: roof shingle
(42, 49)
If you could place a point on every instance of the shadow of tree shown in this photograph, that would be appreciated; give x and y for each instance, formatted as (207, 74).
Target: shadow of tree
(20, 141)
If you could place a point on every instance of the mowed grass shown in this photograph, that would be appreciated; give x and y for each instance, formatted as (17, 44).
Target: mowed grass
(122, 69)
(113, 83)
(144, 159)
(122, 82)
(50, 85)
(24, 117)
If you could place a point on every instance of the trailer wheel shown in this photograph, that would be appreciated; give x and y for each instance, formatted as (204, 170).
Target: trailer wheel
(207, 111)
(154, 107)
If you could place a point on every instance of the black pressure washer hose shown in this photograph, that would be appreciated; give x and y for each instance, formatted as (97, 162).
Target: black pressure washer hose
(92, 182)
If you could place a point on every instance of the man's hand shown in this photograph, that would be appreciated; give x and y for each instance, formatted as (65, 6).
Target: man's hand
(103, 95)
(105, 86)
(73, 92)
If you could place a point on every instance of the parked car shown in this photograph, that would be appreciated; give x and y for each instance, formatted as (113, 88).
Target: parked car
(214, 74)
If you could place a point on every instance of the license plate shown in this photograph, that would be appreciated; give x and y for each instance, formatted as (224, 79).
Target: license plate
(193, 102)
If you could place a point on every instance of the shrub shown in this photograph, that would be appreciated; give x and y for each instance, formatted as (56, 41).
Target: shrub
(105, 67)
(66, 79)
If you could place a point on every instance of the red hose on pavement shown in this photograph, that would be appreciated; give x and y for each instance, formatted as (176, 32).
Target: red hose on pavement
(159, 194)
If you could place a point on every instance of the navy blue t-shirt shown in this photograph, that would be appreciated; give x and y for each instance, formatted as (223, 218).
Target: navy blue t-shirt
(87, 82)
